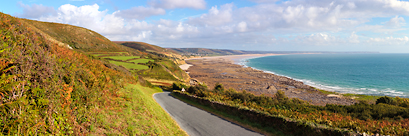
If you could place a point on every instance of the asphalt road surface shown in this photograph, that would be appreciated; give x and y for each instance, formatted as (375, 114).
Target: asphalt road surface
(197, 122)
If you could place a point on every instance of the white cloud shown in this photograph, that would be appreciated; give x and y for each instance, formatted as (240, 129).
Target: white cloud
(139, 36)
(173, 4)
(35, 11)
(215, 16)
(354, 38)
(242, 26)
(87, 16)
(317, 39)
(390, 41)
(264, 1)
(290, 23)
(396, 22)
(140, 12)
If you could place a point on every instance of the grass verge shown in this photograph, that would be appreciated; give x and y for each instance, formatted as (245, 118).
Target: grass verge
(235, 119)
(135, 112)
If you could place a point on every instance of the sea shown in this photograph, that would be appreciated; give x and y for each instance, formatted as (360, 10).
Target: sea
(370, 74)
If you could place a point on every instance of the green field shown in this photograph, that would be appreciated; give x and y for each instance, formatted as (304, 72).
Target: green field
(130, 65)
(141, 61)
(123, 58)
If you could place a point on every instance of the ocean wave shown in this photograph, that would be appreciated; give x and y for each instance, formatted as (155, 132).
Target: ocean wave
(338, 89)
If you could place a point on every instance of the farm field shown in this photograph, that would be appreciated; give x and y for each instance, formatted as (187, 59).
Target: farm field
(130, 66)
(123, 59)
(153, 68)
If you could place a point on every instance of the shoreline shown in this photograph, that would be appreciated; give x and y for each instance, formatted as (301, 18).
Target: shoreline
(240, 60)
(341, 90)
(225, 70)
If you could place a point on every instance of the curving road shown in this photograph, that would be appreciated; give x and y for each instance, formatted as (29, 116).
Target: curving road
(197, 122)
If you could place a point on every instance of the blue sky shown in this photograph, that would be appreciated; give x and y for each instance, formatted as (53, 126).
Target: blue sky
(273, 25)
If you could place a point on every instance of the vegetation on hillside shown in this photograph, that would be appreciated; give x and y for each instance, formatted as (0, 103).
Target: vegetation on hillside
(47, 88)
(388, 116)
(163, 67)
(135, 112)
(76, 37)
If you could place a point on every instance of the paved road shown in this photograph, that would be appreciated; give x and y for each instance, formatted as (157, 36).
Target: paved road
(197, 122)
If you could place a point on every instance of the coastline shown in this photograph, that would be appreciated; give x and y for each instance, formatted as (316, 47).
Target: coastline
(339, 89)
(228, 71)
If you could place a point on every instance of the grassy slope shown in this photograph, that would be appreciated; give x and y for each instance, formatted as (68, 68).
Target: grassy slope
(162, 52)
(129, 65)
(151, 119)
(76, 37)
(48, 89)
(91, 42)
(124, 58)
(166, 62)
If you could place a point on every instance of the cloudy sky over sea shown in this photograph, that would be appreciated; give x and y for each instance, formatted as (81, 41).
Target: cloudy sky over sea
(293, 25)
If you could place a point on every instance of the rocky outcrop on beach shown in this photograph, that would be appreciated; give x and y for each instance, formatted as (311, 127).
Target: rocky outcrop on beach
(212, 71)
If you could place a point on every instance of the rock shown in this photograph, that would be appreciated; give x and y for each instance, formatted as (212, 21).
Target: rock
(194, 81)
(334, 96)
(271, 88)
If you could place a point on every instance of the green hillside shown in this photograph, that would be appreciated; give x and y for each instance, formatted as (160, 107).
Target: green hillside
(76, 37)
(47, 88)
(94, 44)
(162, 63)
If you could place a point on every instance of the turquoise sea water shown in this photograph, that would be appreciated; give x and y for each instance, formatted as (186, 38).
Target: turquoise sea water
(374, 74)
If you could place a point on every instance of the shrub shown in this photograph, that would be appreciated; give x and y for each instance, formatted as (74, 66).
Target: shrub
(280, 96)
(403, 102)
(363, 117)
(219, 87)
(386, 100)
(197, 90)
(178, 86)
(297, 101)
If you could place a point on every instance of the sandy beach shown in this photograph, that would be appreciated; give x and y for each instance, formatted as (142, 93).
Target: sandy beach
(185, 66)
(225, 70)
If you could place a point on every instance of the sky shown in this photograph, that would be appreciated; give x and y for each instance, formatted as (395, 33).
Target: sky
(257, 25)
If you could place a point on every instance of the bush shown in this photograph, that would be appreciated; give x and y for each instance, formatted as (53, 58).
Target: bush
(386, 100)
(297, 101)
(197, 90)
(388, 113)
(280, 96)
(178, 86)
(403, 102)
(219, 87)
